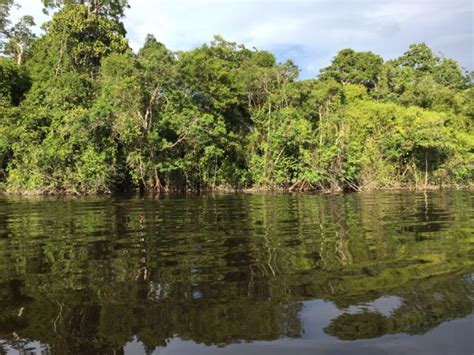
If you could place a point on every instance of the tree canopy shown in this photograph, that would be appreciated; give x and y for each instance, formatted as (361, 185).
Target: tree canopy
(82, 113)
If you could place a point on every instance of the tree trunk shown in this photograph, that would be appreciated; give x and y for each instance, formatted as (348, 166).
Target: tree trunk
(19, 57)
(158, 186)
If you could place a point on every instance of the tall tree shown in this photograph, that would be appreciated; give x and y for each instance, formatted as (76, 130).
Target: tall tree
(113, 9)
(20, 40)
(5, 8)
(419, 57)
(354, 67)
(57, 148)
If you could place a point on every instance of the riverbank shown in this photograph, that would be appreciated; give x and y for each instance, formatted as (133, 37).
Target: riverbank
(255, 189)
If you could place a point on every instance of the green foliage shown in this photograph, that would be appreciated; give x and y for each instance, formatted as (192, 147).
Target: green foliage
(113, 9)
(56, 147)
(14, 83)
(20, 40)
(354, 67)
(419, 57)
(100, 118)
(5, 7)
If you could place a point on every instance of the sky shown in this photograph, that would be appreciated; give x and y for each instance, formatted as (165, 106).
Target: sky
(309, 32)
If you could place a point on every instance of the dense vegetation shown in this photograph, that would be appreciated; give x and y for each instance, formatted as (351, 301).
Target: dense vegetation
(80, 112)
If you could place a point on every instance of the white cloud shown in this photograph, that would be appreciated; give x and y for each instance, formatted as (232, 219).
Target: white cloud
(308, 31)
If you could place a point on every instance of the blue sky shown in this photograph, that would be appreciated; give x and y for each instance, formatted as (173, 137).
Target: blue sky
(308, 32)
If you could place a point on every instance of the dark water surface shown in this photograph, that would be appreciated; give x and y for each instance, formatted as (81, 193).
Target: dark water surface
(379, 273)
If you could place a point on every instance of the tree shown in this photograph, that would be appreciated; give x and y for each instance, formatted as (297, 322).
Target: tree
(57, 148)
(448, 73)
(20, 40)
(210, 78)
(14, 83)
(5, 7)
(5, 23)
(354, 67)
(419, 57)
(420, 78)
(112, 9)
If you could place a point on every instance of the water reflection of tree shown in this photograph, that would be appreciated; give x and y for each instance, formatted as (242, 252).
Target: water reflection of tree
(425, 305)
(227, 269)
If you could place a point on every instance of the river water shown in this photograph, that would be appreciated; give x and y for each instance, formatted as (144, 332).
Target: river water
(368, 273)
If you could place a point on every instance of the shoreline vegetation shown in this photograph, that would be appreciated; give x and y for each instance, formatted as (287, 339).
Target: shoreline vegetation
(81, 113)
(230, 190)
